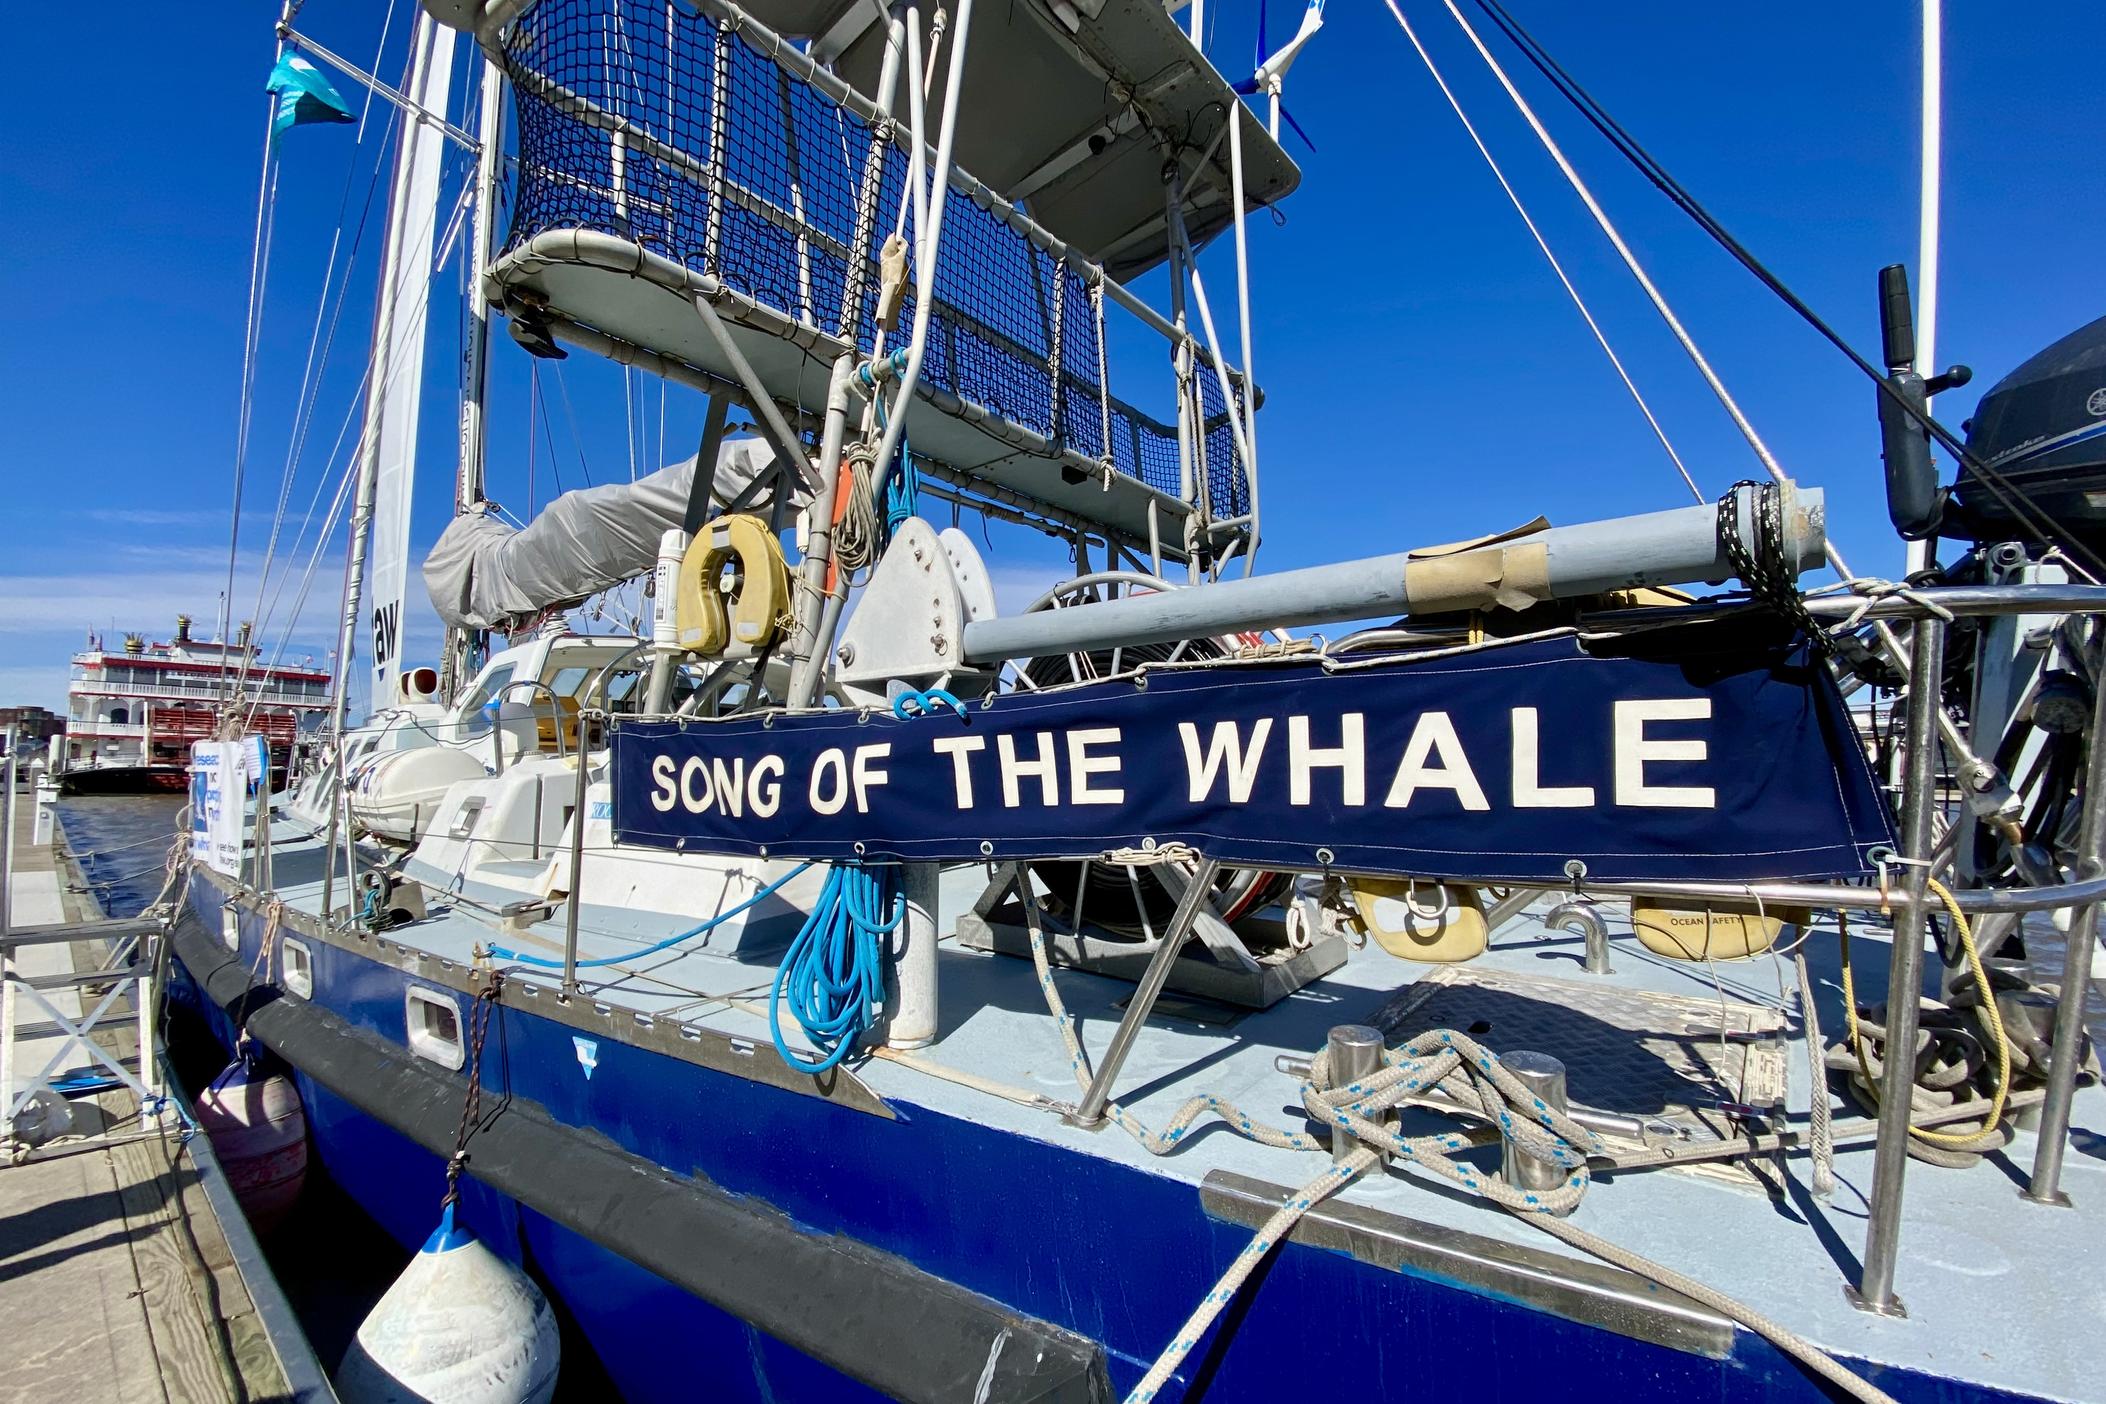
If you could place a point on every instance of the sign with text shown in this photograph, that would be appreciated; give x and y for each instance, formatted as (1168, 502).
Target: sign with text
(1501, 763)
(218, 791)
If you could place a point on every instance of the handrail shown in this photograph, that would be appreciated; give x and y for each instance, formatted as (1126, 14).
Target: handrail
(1856, 898)
(555, 711)
(1920, 602)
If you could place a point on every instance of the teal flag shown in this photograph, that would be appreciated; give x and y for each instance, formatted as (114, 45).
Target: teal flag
(303, 95)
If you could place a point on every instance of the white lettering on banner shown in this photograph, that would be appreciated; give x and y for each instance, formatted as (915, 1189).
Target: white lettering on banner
(1634, 749)
(765, 795)
(1014, 770)
(958, 748)
(1224, 752)
(1529, 791)
(1225, 763)
(866, 774)
(1434, 738)
(1346, 758)
(1082, 765)
(834, 802)
(695, 769)
(728, 780)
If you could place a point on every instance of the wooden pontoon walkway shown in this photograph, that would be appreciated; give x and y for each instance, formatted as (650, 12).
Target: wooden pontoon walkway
(126, 1273)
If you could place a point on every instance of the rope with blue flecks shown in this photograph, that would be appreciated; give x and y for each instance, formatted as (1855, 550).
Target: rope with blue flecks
(1474, 1082)
(1471, 1075)
(1468, 1074)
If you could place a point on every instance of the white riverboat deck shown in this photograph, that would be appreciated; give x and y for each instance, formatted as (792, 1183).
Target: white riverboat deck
(1996, 1288)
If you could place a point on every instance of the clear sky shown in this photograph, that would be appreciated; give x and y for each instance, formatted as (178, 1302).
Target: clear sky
(1426, 377)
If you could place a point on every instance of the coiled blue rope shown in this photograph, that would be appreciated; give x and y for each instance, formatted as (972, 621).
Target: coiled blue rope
(833, 975)
(503, 953)
(901, 488)
(912, 702)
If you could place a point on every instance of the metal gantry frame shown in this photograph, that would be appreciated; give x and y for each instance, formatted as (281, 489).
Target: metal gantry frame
(1220, 540)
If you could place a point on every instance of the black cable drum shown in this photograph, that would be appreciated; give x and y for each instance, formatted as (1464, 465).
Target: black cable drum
(2042, 430)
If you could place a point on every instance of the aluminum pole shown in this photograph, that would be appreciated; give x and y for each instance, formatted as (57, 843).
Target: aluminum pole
(2045, 1187)
(1674, 547)
(461, 644)
(587, 724)
(1875, 1291)
(7, 851)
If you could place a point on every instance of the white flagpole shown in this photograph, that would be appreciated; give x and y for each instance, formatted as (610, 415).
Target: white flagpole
(1927, 228)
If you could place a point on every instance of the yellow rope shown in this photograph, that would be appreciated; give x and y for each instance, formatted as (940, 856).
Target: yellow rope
(1949, 1140)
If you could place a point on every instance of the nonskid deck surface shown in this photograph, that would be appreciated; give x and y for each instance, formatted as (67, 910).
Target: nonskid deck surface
(1992, 1283)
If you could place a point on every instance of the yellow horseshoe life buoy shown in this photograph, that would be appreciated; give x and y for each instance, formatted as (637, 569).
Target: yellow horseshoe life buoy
(757, 596)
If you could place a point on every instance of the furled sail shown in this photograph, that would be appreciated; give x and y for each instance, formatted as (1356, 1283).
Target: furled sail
(482, 574)
(395, 393)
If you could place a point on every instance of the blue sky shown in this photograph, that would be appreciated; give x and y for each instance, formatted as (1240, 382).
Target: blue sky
(1426, 377)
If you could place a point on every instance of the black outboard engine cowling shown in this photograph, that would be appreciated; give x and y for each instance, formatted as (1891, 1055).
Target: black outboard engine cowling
(2042, 430)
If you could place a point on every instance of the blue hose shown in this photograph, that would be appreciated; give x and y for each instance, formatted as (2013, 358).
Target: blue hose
(833, 975)
(719, 919)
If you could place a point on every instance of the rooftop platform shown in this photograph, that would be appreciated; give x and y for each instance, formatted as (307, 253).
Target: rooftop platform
(701, 156)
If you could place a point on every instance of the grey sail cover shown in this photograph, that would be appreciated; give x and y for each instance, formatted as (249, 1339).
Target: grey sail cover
(483, 574)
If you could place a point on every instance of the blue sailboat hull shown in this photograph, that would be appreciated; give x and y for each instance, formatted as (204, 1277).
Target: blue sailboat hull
(1103, 1250)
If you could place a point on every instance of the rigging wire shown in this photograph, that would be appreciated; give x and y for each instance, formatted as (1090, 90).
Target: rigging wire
(629, 415)
(2008, 493)
(549, 435)
(1541, 243)
(259, 279)
(314, 557)
(311, 373)
(570, 416)
(1623, 251)
(395, 371)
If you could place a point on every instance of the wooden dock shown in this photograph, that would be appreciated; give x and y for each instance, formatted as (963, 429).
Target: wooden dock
(127, 1273)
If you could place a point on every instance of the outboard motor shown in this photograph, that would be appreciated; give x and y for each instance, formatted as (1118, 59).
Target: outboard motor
(2042, 430)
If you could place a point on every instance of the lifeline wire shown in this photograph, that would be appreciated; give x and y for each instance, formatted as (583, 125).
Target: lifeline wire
(703, 929)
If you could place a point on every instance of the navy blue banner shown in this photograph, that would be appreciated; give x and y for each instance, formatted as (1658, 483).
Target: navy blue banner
(1500, 764)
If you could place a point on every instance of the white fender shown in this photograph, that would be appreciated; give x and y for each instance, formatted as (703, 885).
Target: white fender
(459, 1326)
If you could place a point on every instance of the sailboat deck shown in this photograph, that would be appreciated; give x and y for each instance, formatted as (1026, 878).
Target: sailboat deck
(1991, 1283)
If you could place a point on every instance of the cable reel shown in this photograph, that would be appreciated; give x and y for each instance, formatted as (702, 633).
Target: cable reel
(733, 591)
(1114, 897)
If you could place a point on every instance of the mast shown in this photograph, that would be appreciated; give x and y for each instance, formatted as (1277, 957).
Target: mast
(1927, 216)
(464, 647)
(390, 429)
(394, 394)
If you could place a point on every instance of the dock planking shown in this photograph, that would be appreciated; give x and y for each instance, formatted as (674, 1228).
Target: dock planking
(118, 1280)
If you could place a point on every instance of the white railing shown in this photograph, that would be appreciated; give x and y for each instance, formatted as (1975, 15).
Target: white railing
(205, 692)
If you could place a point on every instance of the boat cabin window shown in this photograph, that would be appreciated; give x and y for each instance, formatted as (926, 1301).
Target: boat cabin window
(474, 720)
